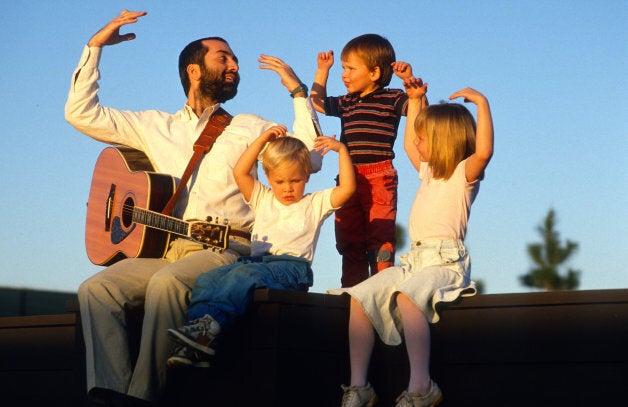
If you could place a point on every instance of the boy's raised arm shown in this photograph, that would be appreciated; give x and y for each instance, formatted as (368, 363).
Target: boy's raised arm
(324, 60)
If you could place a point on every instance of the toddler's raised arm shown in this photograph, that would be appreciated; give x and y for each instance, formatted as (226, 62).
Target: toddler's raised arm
(346, 174)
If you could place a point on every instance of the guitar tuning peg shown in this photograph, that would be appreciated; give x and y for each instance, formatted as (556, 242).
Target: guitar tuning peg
(225, 221)
(209, 219)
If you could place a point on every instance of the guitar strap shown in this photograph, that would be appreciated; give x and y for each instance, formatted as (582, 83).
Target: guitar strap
(214, 127)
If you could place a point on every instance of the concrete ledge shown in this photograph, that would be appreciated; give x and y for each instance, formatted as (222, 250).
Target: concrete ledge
(541, 349)
(42, 361)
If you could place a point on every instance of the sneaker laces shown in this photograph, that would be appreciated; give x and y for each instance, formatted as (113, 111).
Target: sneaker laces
(201, 326)
(351, 396)
(404, 399)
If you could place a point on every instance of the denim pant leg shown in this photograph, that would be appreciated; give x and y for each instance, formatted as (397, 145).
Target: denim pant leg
(205, 289)
(233, 292)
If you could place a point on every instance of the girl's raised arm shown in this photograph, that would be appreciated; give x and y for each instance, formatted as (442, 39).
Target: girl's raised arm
(478, 161)
(416, 90)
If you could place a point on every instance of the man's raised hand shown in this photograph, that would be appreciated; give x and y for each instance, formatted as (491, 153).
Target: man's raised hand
(110, 34)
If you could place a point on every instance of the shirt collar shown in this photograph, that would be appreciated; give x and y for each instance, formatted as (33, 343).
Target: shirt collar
(207, 113)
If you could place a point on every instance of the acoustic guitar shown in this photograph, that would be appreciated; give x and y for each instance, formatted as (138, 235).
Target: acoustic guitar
(123, 211)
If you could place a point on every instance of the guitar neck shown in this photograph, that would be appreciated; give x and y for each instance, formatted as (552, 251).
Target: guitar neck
(160, 221)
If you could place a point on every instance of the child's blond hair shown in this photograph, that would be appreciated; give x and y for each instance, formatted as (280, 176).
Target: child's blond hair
(450, 131)
(286, 150)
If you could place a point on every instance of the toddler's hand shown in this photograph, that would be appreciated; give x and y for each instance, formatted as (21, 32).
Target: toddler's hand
(274, 133)
(324, 144)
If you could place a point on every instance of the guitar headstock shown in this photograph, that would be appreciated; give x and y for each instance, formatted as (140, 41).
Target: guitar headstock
(212, 235)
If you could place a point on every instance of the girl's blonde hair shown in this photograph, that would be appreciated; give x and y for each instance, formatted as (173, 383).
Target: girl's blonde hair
(286, 150)
(450, 132)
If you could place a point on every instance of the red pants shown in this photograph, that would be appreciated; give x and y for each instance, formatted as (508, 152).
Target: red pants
(365, 225)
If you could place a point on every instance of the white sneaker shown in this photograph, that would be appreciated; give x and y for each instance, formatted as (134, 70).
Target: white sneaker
(186, 357)
(431, 399)
(356, 396)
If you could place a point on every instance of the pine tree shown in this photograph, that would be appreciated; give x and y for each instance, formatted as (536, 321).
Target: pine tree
(547, 257)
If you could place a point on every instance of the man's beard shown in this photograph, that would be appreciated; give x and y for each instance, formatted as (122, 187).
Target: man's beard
(214, 86)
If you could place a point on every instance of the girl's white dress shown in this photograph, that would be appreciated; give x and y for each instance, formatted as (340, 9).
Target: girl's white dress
(436, 270)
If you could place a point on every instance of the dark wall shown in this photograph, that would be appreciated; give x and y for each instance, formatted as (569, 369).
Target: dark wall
(22, 302)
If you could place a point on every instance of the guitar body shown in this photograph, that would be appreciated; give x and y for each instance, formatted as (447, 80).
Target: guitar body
(123, 178)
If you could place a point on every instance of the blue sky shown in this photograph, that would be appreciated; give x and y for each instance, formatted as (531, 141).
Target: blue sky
(554, 73)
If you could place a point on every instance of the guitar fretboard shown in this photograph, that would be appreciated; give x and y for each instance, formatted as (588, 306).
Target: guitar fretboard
(160, 221)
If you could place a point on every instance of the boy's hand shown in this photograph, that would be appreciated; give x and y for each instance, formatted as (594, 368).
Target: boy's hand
(415, 88)
(402, 69)
(273, 133)
(325, 144)
(325, 60)
(469, 95)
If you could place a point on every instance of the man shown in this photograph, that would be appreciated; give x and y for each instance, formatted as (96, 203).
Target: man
(162, 286)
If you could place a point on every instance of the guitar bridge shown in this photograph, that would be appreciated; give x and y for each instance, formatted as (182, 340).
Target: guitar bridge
(109, 207)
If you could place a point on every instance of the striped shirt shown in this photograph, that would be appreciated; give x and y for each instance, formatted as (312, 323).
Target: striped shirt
(369, 124)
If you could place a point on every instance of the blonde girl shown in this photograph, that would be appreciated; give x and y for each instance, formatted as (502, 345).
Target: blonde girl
(450, 152)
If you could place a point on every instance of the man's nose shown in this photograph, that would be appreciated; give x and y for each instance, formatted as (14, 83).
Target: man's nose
(233, 66)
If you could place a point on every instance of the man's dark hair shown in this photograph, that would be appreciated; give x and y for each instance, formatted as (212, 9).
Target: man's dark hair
(193, 53)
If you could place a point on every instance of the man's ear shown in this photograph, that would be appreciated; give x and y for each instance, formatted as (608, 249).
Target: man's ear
(194, 72)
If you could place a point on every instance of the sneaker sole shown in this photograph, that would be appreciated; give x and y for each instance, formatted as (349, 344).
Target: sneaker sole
(176, 361)
(372, 401)
(184, 340)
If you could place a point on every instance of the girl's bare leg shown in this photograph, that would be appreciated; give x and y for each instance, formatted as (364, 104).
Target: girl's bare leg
(417, 337)
(361, 341)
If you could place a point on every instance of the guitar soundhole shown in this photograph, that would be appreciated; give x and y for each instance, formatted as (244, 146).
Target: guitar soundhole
(127, 212)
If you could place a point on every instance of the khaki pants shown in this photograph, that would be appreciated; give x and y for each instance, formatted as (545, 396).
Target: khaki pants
(163, 287)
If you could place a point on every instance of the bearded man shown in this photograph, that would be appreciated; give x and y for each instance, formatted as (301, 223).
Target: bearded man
(162, 286)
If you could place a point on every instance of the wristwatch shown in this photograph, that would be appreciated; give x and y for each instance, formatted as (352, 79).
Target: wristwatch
(300, 88)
